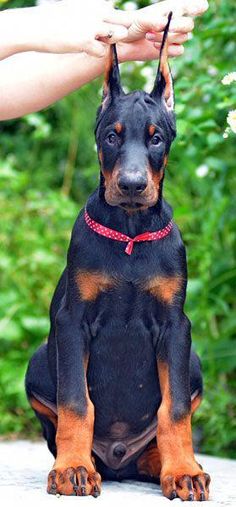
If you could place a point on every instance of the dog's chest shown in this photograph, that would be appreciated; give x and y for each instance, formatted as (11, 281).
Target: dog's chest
(103, 288)
(122, 375)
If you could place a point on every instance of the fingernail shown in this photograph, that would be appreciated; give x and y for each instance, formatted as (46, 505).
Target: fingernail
(150, 36)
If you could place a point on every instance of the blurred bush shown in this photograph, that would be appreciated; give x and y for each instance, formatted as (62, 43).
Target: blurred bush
(48, 166)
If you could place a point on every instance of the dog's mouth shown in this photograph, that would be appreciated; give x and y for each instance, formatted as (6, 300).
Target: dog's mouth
(132, 205)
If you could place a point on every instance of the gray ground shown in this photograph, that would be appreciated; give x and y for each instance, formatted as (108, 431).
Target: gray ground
(24, 467)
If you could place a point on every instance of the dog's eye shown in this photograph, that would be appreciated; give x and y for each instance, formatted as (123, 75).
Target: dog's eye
(155, 140)
(112, 138)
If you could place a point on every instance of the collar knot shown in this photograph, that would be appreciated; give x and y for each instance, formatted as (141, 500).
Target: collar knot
(130, 246)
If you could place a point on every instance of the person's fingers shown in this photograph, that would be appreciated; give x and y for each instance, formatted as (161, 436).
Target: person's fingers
(173, 38)
(138, 29)
(112, 33)
(173, 49)
(179, 8)
(161, 9)
(147, 25)
(165, 7)
(95, 48)
(194, 7)
(143, 50)
(183, 24)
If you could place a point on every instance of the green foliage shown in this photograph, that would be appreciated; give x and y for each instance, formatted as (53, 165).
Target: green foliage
(49, 166)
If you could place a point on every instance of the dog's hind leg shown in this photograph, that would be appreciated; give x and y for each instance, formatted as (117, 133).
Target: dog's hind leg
(48, 420)
(41, 394)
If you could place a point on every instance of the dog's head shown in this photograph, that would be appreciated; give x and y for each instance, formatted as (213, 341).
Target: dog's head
(134, 133)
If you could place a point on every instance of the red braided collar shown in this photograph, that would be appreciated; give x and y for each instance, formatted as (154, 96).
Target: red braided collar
(118, 236)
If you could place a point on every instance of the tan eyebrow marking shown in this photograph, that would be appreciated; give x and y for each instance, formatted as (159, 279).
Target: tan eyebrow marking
(100, 156)
(118, 127)
(151, 129)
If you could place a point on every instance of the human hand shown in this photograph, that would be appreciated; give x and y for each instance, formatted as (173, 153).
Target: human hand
(69, 27)
(151, 21)
(74, 29)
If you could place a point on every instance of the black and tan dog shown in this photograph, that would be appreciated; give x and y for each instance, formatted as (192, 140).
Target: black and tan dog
(117, 382)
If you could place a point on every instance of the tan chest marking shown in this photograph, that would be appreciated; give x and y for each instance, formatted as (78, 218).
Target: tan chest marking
(164, 288)
(92, 283)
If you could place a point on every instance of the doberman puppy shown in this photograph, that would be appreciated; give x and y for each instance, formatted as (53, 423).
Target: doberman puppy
(116, 384)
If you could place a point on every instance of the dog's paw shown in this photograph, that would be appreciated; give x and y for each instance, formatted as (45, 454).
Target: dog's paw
(77, 481)
(187, 486)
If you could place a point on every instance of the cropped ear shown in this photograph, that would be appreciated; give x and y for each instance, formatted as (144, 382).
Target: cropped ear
(111, 87)
(163, 86)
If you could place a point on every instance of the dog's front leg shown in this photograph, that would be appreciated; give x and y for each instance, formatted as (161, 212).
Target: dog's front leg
(180, 473)
(73, 472)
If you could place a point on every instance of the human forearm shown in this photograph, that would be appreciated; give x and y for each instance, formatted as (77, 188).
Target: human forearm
(32, 81)
(13, 36)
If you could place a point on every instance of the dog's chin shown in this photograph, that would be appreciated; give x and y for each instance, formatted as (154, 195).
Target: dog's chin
(131, 205)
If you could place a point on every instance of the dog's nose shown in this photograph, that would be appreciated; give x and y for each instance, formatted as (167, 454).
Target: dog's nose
(132, 185)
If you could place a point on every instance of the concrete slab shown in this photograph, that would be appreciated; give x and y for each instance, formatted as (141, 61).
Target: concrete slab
(24, 467)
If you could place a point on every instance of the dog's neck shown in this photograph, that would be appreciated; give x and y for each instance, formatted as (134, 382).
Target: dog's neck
(129, 223)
